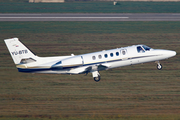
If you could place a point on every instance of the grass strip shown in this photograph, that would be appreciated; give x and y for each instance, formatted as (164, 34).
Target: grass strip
(13, 6)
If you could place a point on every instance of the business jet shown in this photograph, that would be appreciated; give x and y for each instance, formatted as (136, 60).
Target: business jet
(94, 62)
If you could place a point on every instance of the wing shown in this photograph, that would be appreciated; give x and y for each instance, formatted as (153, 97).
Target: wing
(102, 67)
(95, 68)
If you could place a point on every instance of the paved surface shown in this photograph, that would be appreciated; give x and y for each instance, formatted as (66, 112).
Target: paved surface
(92, 17)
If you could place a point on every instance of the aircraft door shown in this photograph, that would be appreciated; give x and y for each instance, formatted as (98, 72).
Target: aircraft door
(82, 60)
(124, 53)
(125, 57)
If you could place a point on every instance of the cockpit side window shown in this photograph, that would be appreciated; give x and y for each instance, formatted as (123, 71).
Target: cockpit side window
(140, 50)
(146, 48)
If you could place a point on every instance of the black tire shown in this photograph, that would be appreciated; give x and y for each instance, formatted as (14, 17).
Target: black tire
(97, 79)
(159, 66)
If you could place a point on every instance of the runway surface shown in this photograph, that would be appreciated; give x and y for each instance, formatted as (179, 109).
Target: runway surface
(92, 17)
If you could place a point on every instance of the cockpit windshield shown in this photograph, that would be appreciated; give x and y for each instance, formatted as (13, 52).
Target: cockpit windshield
(146, 48)
(143, 48)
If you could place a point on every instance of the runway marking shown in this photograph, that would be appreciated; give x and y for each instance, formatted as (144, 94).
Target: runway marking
(175, 14)
(63, 17)
(18, 14)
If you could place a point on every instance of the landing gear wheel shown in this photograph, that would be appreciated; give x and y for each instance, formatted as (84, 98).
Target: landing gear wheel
(159, 66)
(97, 79)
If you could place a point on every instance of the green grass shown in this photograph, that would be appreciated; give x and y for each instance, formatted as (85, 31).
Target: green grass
(89, 7)
(118, 117)
(90, 27)
(129, 93)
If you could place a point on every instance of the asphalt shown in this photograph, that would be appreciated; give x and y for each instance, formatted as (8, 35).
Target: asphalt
(91, 17)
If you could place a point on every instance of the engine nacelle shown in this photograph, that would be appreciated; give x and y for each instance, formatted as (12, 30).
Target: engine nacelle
(69, 62)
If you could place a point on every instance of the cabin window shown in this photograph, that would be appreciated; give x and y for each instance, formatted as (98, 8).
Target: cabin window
(140, 50)
(117, 53)
(99, 56)
(93, 57)
(123, 52)
(111, 54)
(105, 55)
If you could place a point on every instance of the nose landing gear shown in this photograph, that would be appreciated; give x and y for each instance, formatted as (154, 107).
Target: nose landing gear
(159, 66)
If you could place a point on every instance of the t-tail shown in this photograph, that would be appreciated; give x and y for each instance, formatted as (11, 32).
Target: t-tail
(19, 52)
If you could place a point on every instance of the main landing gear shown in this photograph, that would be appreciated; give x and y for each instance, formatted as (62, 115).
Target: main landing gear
(96, 76)
(97, 79)
(159, 66)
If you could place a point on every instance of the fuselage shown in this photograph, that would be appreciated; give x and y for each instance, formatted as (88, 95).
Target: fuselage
(107, 59)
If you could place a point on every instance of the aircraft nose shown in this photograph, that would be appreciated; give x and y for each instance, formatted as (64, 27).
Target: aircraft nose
(173, 53)
(170, 53)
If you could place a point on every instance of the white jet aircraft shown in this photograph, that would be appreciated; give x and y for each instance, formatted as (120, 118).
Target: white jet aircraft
(26, 61)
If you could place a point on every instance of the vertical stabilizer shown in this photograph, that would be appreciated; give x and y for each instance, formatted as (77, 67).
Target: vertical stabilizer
(17, 50)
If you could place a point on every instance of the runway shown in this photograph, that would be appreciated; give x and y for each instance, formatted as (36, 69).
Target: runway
(91, 17)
